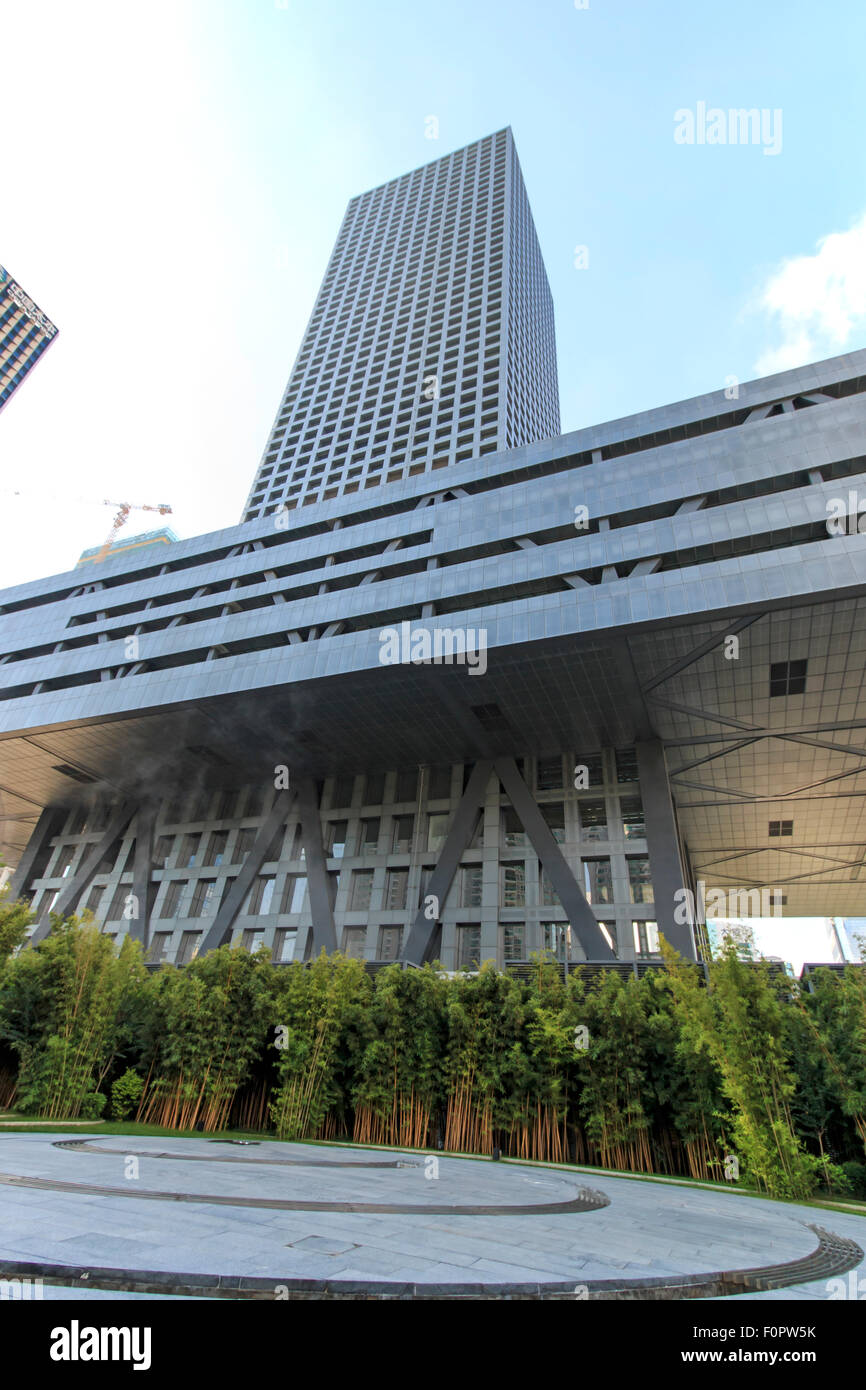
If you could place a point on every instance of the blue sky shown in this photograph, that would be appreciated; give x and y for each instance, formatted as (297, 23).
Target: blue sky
(176, 173)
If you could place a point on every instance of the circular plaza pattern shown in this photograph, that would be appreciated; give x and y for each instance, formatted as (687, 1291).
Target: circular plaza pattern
(204, 1217)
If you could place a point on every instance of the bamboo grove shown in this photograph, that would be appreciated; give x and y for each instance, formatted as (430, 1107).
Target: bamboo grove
(742, 1075)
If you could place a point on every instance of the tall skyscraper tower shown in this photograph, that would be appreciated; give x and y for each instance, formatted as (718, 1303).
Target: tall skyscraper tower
(431, 340)
(25, 333)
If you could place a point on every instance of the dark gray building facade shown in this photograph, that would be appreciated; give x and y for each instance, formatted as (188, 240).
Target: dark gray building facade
(560, 696)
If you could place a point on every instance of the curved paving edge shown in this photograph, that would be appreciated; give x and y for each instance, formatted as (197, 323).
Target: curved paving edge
(833, 1255)
(586, 1200)
(84, 1146)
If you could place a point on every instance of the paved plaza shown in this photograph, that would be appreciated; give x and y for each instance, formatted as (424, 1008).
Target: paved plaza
(267, 1216)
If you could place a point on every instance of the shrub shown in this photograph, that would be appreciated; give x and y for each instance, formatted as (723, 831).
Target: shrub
(125, 1094)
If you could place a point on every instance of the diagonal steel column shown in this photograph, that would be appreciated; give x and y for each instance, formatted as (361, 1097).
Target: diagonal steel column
(580, 914)
(38, 850)
(423, 929)
(663, 844)
(69, 896)
(321, 906)
(143, 886)
(228, 910)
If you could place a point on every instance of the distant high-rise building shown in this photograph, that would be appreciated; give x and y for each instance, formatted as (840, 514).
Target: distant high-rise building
(431, 341)
(25, 333)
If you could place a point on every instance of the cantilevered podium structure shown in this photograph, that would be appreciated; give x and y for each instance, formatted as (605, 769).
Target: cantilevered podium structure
(651, 644)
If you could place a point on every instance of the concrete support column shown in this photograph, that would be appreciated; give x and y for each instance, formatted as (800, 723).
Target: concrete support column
(663, 845)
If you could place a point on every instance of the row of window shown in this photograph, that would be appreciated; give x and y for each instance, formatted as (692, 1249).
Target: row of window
(554, 938)
(212, 849)
(208, 893)
(551, 774)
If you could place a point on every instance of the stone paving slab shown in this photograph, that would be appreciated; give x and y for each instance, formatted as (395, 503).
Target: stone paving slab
(648, 1229)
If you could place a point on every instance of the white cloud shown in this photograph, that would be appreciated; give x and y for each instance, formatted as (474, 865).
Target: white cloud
(817, 302)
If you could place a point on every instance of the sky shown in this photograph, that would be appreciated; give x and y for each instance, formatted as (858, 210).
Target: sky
(796, 940)
(175, 174)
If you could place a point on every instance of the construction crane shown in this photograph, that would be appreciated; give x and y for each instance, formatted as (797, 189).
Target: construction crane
(125, 508)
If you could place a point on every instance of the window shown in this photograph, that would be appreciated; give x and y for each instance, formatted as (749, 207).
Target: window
(780, 827)
(556, 937)
(787, 678)
(470, 885)
(335, 838)
(512, 941)
(549, 895)
(646, 938)
(633, 822)
(118, 903)
(402, 840)
(255, 801)
(243, 844)
(284, 946)
(407, 786)
(294, 889)
(354, 942)
(374, 792)
(203, 898)
(216, 848)
(514, 885)
(189, 943)
(598, 881)
(588, 771)
(440, 781)
(172, 897)
(389, 943)
(261, 895)
(554, 817)
(608, 931)
(626, 765)
(63, 862)
(549, 774)
(158, 949)
(593, 819)
(437, 829)
(343, 789)
(396, 889)
(514, 835)
(162, 851)
(640, 888)
(189, 847)
(362, 890)
(468, 947)
(369, 836)
(93, 897)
